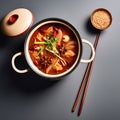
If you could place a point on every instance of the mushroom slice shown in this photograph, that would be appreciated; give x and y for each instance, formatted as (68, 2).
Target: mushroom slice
(70, 43)
(69, 53)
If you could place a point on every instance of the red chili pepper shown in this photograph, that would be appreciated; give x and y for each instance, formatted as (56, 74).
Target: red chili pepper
(55, 28)
(36, 62)
(55, 31)
(33, 47)
(13, 19)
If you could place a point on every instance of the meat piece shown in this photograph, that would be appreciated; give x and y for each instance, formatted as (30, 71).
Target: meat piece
(66, 38)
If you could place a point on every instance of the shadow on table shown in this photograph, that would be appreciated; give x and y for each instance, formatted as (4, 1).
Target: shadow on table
(90, 29)
(28, 82)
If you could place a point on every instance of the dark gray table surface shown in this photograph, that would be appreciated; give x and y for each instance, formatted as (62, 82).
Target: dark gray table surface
(28, 97)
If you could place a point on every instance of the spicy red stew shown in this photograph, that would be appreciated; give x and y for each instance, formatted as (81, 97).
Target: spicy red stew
(53, 48)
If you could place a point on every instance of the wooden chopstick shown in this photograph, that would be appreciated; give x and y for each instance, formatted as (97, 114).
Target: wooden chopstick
(85, 89)
(86, 79)
(87, 76)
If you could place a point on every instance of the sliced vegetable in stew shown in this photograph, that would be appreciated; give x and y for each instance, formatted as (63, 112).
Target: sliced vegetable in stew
(53, 48)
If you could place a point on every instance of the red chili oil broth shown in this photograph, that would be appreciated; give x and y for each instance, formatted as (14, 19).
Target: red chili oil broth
(70, 60)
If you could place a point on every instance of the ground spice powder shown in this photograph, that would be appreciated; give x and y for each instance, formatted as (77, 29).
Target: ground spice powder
(101, 19)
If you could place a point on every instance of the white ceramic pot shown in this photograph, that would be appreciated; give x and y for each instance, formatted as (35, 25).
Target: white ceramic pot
(30, 62)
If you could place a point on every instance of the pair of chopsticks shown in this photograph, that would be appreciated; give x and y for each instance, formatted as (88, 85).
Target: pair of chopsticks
(85, 82)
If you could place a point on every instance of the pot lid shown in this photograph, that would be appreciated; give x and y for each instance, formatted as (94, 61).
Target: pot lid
(17, 22)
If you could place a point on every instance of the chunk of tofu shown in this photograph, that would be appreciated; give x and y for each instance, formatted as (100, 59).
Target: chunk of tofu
(57, 67)
(49, 30)
(35, 55)
(39, 36)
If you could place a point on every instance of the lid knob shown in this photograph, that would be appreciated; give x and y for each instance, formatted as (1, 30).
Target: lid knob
(12, 19)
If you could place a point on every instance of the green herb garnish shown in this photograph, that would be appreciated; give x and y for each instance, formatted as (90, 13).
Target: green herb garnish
(50, 44)
(41, 49)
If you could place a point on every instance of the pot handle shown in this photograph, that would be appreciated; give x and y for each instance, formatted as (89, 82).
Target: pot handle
(92, 49)
(13, 63)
